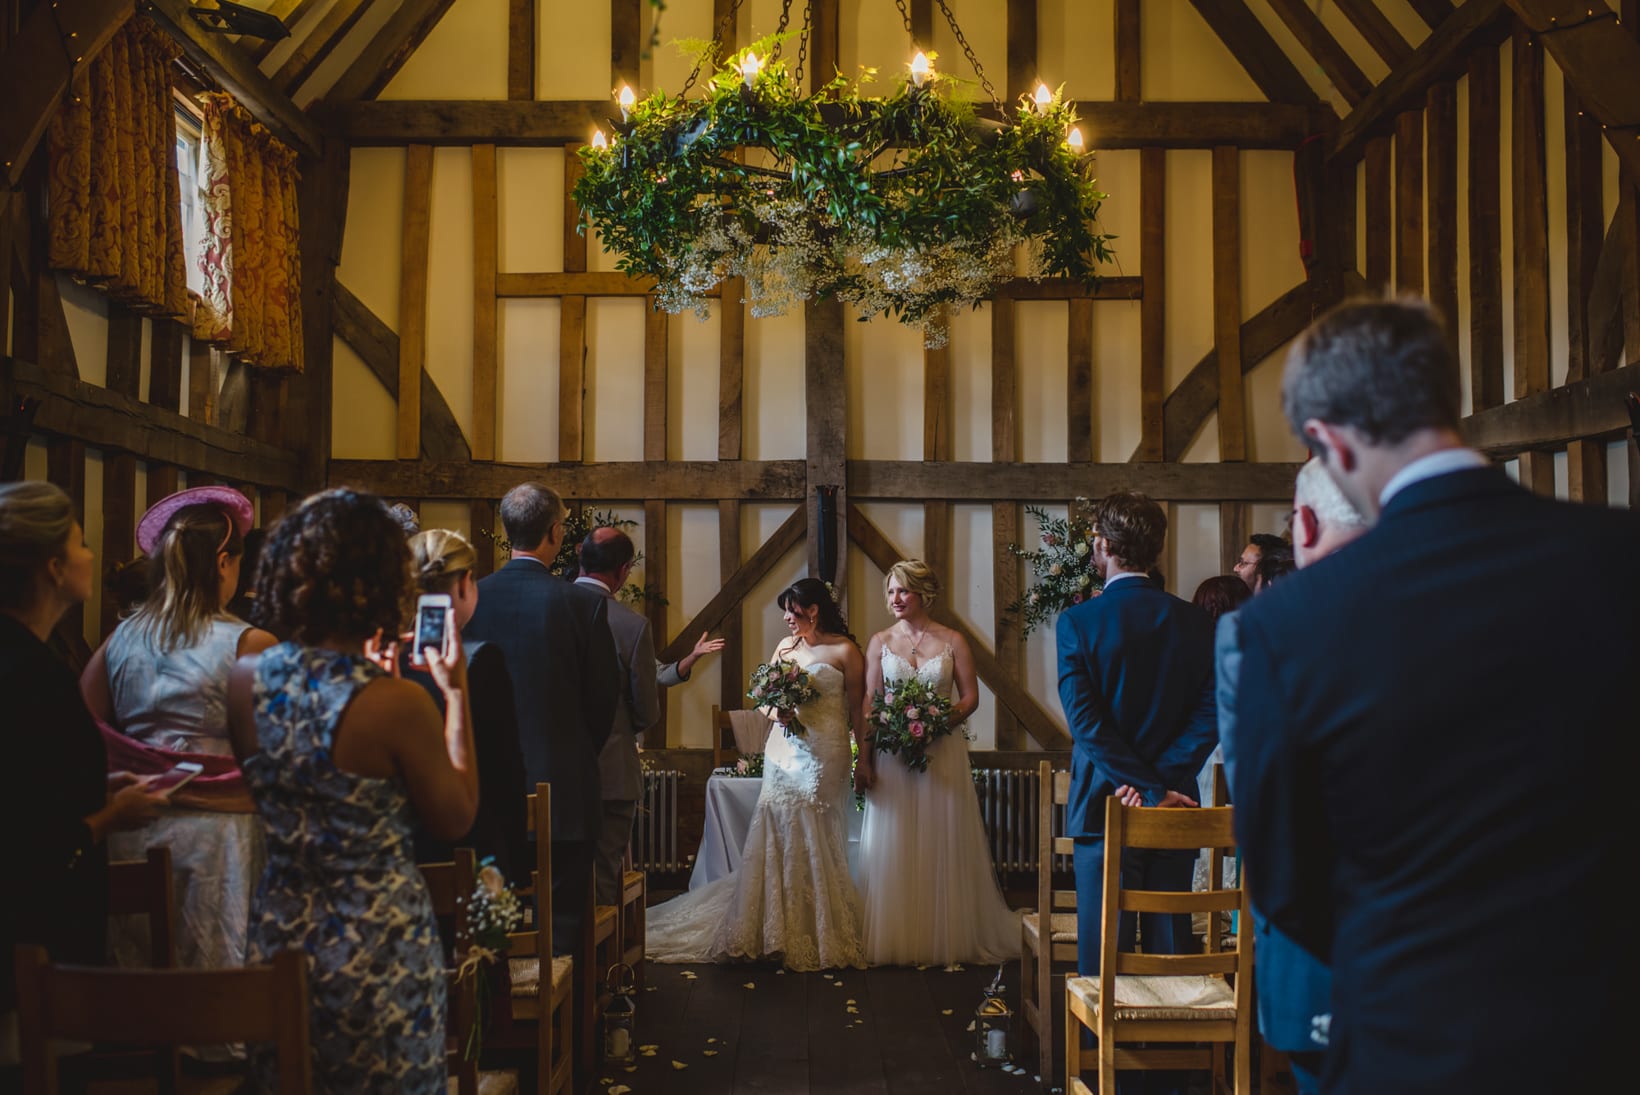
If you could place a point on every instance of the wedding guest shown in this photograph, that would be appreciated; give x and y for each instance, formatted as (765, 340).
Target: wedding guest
(605, 558)
(566, 685)
(244, 597)
(1418, 770)
(160, 681)
(1294, 988)
(1136, 680)
(1221, 594)
(406, 518)
(1272, 566)
(62, 804)
(443, 562)
(343, 761)
(1259, 545)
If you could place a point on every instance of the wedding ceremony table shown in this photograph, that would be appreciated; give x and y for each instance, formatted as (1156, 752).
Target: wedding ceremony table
(729, 804)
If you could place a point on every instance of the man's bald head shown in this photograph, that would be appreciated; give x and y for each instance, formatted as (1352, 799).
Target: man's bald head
(607, 552)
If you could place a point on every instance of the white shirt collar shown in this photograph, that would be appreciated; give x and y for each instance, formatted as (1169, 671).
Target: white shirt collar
(1444, 462)
(534, 560)
(1120, 574)
(595, 583)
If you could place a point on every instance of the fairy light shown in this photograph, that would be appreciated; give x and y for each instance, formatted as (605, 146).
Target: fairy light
(920, 69)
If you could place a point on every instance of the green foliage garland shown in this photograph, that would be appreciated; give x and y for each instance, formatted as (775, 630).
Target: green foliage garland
(1062, 568)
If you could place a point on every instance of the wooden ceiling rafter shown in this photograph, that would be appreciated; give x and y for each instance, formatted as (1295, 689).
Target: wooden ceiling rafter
(1375, 27)
(1317, 41)
(288, 12)
(1256, 51)
(1433, 12)
(388, 50)
(317, 47)
(1600, 59)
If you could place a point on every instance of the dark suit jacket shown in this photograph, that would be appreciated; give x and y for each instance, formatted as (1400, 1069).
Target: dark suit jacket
(1435, 731)
(562, 659)
(1136, 680)
(501, 829)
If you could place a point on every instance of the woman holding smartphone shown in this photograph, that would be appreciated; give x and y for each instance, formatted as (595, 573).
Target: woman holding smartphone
(161, 681)
(58, 807)
(343, 762)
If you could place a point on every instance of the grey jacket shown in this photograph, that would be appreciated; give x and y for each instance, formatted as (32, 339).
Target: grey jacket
(639, 705)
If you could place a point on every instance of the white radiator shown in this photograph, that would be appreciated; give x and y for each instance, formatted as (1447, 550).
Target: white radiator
(1008, 804)
(655, 831)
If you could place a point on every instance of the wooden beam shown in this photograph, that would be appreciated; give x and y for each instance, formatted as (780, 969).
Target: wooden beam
(1537, 472)
(1485, 231)
(1318, 42)
(1007, 570)
(1251, 45)
(575, 250)
(65, 467)
(1192, 403)
(731, 368)
(1441, 165)
(1529, 210)
(583, 283)
(732, 675)
(1433, 12)
(385, 54)
(321, 198)
(486, 222)
(378, 347)
(656, 328)
(1379, 32)
(166, 339)
(1438, 57)
(654, 607)
(1002, 680)
(1117, 288)
(614, 481)
(1129, 29)
(124, 360)
(119, 530)
(521, 49)
(1586, 410)
(1227, 302)
(625, 41)
(1079, 382)
(481, 523)
(735, 588)
(35, 69)
(92, 415)
(827, 419)
(1585, 232)
(1153, 305)
(922, 24)
(549, 124)
(1235, 528)
(825, 48)
(1380, 212)
(163, 481)
(1613, 285)
(239, 76)
(313, 49)
(572, 383)
(1022, 73)
(961, 481)
(415, 243)
(1409, 202)
(1586, 472)
(1601, 61)
(938, 445)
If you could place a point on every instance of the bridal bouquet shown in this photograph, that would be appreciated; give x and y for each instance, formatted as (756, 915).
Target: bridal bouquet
(493, 911)
(783, 685)
(907, 717)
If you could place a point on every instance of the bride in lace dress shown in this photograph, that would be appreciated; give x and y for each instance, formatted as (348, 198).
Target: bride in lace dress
(927, 885)
(792, 897)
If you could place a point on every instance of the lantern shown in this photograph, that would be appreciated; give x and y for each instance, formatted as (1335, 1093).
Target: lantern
(993, 1020)
(620, 1016)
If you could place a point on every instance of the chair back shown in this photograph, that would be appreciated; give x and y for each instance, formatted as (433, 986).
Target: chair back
(258, 1004)
(1179, 830)
(737, 732)
(539, 817)
(1053, 795)
(142, 887)
(450, 886)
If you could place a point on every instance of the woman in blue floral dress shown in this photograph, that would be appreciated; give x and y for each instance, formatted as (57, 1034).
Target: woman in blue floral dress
(341, 758)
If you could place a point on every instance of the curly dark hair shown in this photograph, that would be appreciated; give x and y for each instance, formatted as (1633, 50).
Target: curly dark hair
(810, 592)
(1221, 594)
(336, 567)
(1133, 525)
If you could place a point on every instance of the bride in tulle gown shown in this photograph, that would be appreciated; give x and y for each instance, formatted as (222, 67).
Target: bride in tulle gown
(792, 897)
(927, 885)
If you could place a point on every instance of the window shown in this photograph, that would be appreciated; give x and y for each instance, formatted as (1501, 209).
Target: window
(193, 207)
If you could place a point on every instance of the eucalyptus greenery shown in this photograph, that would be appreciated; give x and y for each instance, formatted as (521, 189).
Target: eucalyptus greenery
(901, 205)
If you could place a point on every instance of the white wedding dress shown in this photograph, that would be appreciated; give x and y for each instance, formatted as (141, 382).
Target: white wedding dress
(792, 897)
(928, 889)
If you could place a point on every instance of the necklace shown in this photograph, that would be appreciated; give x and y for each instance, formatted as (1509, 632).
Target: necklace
(919, 636)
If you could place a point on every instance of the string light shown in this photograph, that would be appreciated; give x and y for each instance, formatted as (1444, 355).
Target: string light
(1043, 96)
(599, 140)
(920, 69)
(750, 66)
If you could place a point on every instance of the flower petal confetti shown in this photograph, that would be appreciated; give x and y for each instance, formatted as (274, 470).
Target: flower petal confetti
(749, 985)
(678, 1066)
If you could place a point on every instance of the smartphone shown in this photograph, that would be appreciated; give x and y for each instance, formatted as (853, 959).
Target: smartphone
(432, 623)
(180, 774)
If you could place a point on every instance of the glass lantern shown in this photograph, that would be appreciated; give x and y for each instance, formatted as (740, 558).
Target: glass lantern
(620, 1016)
(993, 1023)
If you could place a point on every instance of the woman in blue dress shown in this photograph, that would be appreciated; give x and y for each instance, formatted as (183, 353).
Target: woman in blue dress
(343, 760)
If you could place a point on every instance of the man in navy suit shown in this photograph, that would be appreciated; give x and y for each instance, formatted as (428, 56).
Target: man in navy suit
(1136, 681)
(565, 684)
(1427, 724)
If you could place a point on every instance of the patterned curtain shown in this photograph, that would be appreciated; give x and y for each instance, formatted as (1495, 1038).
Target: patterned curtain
(115, 217)
(253, 284)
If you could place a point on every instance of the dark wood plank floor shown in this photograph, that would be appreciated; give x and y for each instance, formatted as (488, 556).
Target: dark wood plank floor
(754, 1028)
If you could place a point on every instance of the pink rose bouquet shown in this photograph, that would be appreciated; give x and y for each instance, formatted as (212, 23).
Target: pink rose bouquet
(784, 685)
(907, 717)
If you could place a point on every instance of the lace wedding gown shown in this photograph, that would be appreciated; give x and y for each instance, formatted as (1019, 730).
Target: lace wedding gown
(928, 889)
(792, 896)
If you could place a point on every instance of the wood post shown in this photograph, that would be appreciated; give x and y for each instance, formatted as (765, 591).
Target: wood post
(1409, 202)
(486, 220)
(1529, 205)
(1007, 518)
(1153, 304)
(1485, 232)
(418, 193)
(1227, 302)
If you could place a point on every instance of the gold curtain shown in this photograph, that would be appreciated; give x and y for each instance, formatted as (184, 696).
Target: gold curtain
(253, 281)
(115, 217)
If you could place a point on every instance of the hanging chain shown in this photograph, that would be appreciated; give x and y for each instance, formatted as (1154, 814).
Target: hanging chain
(780, 30)
(968, 51)
(905, 15)
(803, 43)
(715, 50)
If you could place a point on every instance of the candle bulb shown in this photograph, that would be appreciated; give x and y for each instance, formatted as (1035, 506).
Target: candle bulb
(920, 69)
(1074, 140)
(749, 68)
(1044, 97)
(599, 140)
(626, 98)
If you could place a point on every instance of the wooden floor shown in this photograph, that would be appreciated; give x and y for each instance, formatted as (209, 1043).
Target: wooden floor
(754, 1028)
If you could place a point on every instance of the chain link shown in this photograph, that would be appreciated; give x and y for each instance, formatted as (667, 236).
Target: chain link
(803, 43)
(715, 50)
(968, 51)
(905, 14)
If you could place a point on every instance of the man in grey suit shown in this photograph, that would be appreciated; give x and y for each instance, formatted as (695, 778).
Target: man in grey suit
(607, 556)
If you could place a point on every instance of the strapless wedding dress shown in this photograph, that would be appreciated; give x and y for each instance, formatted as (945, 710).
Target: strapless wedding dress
(792, 897)
(928, 889)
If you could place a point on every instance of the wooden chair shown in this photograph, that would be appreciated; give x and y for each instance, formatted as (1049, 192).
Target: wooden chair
(541, 985)
(257, 1004)
(1163, 998)
(601, 947)
(737, 732)
(142, 887)
(634, 908)
(1048, 932)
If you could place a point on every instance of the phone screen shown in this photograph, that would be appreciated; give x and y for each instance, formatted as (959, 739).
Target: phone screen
(176, 777)
(430, 629)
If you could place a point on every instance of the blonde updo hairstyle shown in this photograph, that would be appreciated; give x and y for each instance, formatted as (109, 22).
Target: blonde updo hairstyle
(914, 576)
(439, 557)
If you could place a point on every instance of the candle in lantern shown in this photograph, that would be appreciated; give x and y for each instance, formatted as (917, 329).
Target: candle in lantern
(599, 140)
(750, 66)
(1074, 140)
(1044, 97)
(626, 98)
(920, 69)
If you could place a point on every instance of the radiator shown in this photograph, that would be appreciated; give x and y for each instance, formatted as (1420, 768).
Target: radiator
(1009, 799)
(655, 831)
